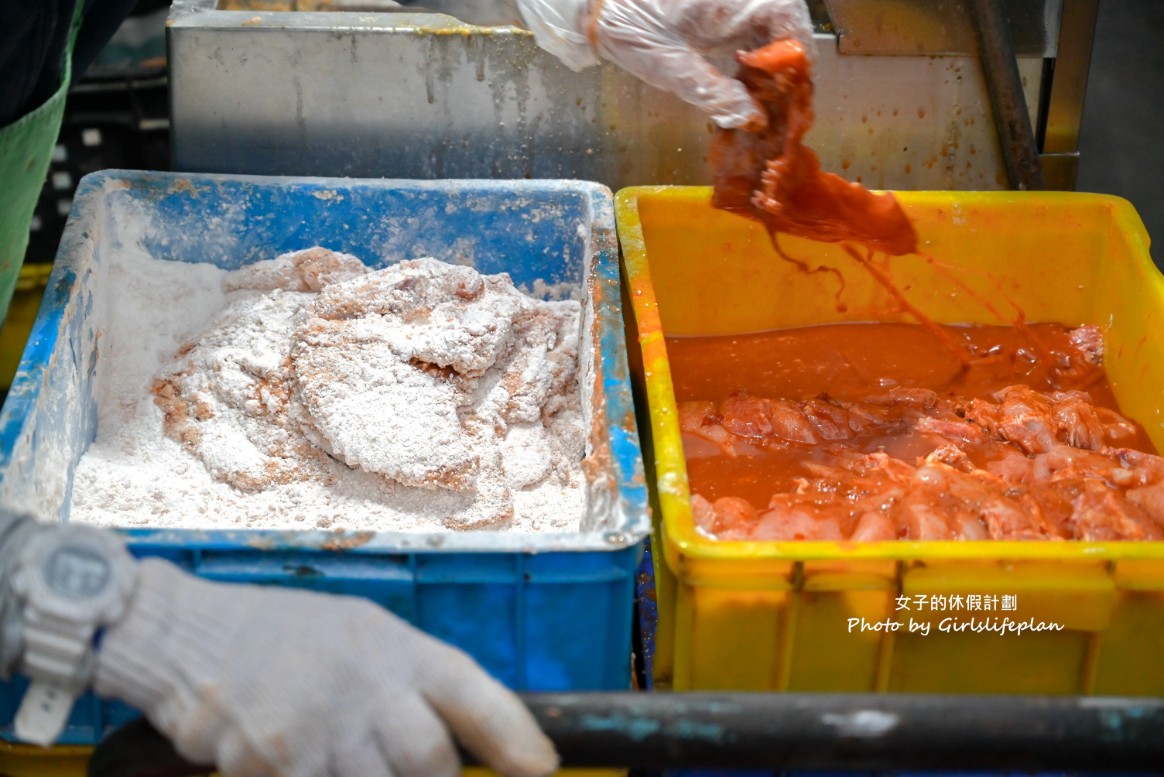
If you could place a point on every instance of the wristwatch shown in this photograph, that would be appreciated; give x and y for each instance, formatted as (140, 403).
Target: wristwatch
(71, 581)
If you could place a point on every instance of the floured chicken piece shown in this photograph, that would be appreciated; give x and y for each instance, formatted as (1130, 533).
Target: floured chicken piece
(910, 464)
(308, 270)
(420, 376)
(429, 312)
(769, 174)
(226, 397)
(356, 399)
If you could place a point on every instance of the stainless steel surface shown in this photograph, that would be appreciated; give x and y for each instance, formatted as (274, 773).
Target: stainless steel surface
(1012, 118)
(475, 11)
(1060, 170)
(423, 96)
(914, 27)
(1068, 84)
(410, 95)
(911, 122)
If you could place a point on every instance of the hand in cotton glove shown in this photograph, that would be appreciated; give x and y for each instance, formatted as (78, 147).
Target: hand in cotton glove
(265, 682)
(662, 42)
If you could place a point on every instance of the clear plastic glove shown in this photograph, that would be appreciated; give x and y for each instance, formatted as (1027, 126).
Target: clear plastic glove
(663, 42)
(263, 682)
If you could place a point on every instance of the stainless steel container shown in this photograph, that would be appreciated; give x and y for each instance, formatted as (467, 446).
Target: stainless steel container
(900, 98)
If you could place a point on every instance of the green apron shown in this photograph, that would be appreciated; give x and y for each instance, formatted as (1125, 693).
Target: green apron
(26, 148)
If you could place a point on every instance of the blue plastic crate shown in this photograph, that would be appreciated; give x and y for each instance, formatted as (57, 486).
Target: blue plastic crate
(541, 612)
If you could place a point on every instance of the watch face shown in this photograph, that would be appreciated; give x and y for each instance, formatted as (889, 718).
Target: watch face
(77, 572)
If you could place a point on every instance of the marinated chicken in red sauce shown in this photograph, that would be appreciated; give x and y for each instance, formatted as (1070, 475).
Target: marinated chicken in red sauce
(1025, 443)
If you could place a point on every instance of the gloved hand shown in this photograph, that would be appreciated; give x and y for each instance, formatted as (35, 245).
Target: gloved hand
(662, 42)
(264, 682)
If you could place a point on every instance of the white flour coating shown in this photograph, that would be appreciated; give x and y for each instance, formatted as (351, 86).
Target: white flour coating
(310, 392)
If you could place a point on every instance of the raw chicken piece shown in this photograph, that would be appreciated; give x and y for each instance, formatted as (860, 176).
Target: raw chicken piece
(874, 526)
(770, 175)
(1037, 422)
(795, 522)
(1100, 514)
(772, 418)
(1089, 340)
(728, 517)
(703, 432)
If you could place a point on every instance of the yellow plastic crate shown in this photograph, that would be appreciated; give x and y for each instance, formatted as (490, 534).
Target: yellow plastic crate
(21, 313)
(775, 615)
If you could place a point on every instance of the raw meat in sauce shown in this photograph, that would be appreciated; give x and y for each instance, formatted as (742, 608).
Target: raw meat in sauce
(880, 445)
(768, 174)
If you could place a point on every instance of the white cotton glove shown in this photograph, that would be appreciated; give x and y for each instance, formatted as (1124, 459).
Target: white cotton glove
(265, 681)
(663, 42)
